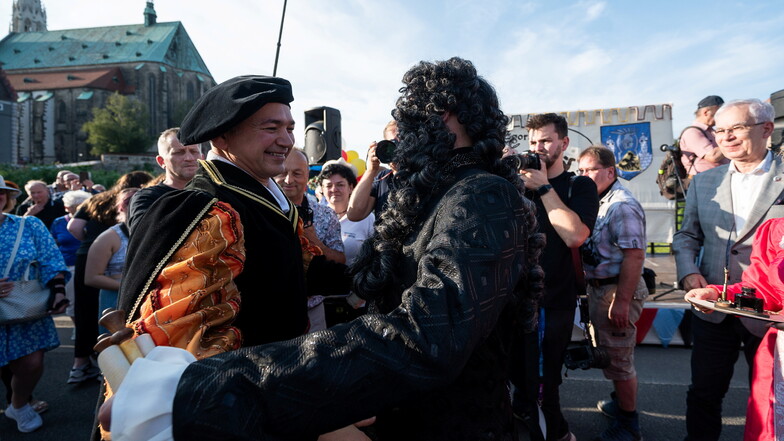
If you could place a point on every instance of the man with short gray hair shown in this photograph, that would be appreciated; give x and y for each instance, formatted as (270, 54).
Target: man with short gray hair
(40, 203)
(724, 207)
(322, 227)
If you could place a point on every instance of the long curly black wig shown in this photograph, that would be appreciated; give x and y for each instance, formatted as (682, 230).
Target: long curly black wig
(424, 150)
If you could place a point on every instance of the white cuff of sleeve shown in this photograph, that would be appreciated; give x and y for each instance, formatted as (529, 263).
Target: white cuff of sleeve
(143, 405)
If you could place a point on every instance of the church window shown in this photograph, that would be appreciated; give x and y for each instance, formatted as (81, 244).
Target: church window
(151, 101)
(61, 112)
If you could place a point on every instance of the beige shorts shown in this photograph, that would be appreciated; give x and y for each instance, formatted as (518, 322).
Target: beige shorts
(618, 342)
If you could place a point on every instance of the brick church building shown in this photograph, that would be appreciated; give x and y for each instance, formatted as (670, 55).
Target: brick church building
(59, 76)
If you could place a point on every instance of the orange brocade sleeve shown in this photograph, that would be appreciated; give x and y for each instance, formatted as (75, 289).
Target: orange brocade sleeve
(194, 300)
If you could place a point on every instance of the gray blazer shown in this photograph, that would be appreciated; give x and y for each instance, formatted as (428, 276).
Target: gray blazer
(708, 223)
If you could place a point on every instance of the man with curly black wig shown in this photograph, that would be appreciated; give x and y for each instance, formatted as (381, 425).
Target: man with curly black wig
(452, 271)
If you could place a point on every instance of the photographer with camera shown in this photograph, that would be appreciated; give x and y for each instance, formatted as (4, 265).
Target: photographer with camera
(370, 194)
(613, 258)
(566, 207)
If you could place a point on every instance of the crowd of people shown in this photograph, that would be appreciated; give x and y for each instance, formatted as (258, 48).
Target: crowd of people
(452, 255)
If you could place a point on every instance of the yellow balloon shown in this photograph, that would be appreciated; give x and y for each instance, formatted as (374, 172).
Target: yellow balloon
(359, 164)
(351, 155)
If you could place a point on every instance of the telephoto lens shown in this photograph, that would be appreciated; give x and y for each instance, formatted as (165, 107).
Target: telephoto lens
(385, 150)
(528, 160)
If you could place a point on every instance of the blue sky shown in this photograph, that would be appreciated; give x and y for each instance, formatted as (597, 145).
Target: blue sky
(540, 55)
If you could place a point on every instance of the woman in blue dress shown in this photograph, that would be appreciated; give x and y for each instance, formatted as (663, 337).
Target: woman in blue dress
(22, 345)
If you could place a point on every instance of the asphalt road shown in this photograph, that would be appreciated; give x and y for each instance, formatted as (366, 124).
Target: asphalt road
(71, 406)
(663, 375)
(663, 378)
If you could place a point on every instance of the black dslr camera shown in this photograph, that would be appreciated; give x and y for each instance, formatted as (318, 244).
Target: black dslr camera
(584, 355)
(747, 300)
(528, 160)
(385, 150)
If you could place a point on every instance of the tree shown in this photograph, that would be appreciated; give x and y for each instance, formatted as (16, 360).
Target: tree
(119, 127)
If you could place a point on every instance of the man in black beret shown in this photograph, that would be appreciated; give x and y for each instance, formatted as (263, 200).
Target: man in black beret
(234, 205)
(221, 264)
(697, 142)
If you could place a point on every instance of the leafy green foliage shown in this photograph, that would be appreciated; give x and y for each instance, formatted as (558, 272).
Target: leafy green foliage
(120, 127)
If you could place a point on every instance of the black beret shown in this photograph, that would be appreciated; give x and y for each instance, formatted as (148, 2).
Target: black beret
(229, 103)
(710, 101)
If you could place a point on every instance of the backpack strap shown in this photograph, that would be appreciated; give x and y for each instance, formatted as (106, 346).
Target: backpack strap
(692, 127)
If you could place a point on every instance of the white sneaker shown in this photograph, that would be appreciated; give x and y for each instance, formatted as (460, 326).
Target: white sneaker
(83, 373)
(26, 418)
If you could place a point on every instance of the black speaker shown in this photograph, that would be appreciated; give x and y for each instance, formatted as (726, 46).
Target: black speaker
(322, 134)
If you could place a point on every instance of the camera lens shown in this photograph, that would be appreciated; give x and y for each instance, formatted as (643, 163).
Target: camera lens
(513, 161)
(385, 150)
(528, 160)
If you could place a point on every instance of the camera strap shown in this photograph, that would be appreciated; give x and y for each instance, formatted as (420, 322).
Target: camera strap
(582, 297)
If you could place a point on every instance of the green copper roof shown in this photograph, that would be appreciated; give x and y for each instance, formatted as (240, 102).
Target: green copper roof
(166, 43)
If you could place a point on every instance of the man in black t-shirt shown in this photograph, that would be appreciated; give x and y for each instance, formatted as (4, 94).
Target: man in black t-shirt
(179, 162)
(567, 206)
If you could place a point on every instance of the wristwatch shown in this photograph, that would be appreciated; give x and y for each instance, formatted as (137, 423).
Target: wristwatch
(541, 191)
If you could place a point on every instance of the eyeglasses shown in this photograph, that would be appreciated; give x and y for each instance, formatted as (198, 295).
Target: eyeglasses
(737, 128)
(585, 171)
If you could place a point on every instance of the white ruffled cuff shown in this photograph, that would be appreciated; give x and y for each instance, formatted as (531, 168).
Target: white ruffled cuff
(143, 405)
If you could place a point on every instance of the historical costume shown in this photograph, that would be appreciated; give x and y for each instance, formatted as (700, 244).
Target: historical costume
(213, 265)
(446, 277)
(222, 263)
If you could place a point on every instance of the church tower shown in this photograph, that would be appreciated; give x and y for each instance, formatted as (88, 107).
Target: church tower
(150, 17)
(28, 16)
